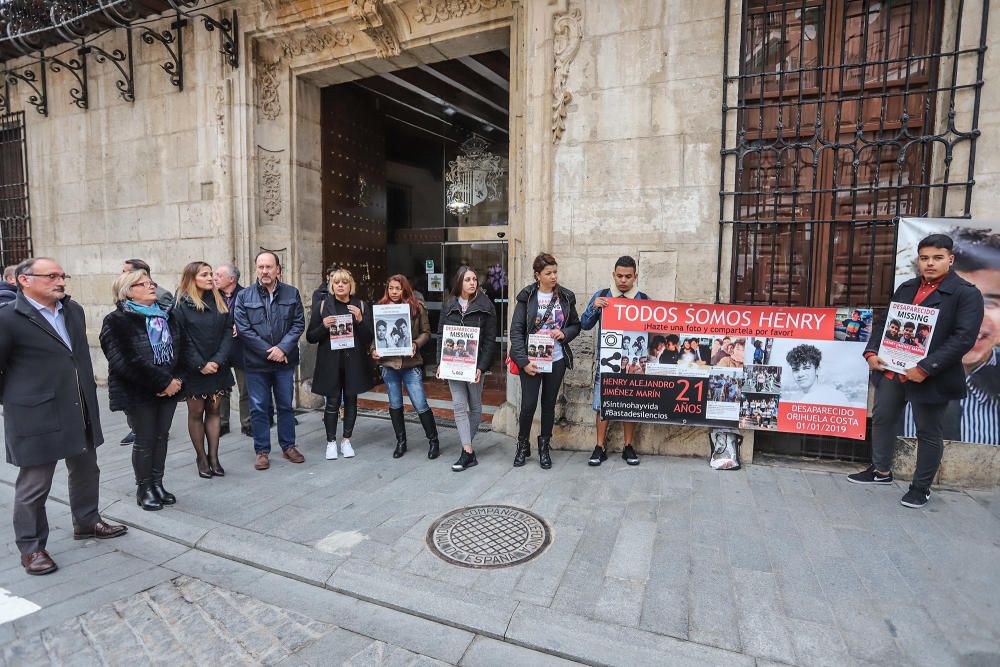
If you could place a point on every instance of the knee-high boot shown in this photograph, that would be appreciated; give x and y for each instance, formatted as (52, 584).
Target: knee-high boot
(431, 431)
(156, 472)
(142, 464)
(399, 428)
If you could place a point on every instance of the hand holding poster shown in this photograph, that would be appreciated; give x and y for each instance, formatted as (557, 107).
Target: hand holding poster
(342, 332)
(718, 365)
(393, 337)
(459, 352)
(540, 352)
(907, 333)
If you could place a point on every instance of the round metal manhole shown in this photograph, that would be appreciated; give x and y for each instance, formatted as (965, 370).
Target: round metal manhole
(488, 536)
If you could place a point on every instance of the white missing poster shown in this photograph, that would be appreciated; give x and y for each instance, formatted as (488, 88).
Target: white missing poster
(908, 331)
(540, 352)
(393, 337)
(459, 352)
(342, 332)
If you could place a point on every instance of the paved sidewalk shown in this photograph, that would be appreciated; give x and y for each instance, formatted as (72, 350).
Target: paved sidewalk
(667, 563)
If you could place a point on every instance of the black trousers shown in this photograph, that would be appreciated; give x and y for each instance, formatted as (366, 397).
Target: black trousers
(548, 384)
(887, 417)
(151, 422)
(31, 524)
(331, 412)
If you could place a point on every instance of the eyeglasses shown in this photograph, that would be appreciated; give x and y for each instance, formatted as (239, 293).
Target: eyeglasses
(50, 276)
(146, 283)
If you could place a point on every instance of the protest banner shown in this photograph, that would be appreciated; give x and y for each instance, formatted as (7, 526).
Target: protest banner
(907, 333)
(459, 351)
(342, 332)
(753, 367)
(540, 352)
(393, 337)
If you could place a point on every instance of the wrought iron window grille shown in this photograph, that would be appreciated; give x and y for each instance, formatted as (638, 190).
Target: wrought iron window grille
(15, 214)
(31, 29)
(847, 115)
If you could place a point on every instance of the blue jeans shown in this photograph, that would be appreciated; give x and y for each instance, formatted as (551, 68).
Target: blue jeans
(413, 379)
(260, 385)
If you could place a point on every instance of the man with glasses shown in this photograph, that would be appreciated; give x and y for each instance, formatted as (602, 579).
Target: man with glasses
(51, 411)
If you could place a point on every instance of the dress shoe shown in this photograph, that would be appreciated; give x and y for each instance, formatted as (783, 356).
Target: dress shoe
(38, 563)
(217, 469)
(100, 530)
(263, 461)
(293, 455)
(146, 498)
(204, 471)
(247, 431)
(224, 430)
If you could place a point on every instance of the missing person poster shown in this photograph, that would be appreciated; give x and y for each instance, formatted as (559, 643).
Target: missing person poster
(779, 369)
(459, 352)
(976, 247)
(393, 337)
(907, 334)
(342, 332)
(540, 352)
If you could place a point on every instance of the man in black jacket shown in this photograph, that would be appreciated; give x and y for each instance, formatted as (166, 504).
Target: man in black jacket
(936, 379)
(227, 279)
(50, 409)
(269, 321)
(8, 287)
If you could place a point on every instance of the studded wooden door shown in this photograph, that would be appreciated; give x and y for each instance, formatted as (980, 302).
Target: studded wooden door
(354, 187)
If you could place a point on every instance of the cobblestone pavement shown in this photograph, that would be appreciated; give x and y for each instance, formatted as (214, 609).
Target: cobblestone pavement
(667, 563)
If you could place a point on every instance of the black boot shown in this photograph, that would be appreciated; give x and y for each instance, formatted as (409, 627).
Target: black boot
(431, 431)
(399, 428)
(523, 451)
(544, 459)
(142, 464)
(156, 476)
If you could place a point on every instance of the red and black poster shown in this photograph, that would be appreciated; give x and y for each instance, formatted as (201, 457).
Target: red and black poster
(781, 369)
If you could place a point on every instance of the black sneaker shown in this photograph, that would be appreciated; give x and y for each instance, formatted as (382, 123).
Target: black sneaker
(598, 457)
(465, 461)
(128, 439)
(870, 476)
(629, 455)
(916, 498)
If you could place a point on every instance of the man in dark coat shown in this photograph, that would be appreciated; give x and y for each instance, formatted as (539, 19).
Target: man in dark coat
(227, 279)
(8, 287)
(269, 321)
(936, 380)
(50, 409)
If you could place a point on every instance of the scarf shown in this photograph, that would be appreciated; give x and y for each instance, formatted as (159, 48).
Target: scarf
(628, 295)
(157, 330)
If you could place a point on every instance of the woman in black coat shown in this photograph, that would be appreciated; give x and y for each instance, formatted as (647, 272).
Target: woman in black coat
(145, 352)
(341, 374)
(546, 308)
(468, 306)
(207, 326)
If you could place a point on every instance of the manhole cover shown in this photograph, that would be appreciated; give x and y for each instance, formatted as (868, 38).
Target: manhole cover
(488, 536)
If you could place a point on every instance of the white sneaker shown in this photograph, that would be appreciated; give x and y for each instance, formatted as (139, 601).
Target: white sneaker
(331, 450)
(346, 449)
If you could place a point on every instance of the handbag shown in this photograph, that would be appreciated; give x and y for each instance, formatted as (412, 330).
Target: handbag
(512, 366)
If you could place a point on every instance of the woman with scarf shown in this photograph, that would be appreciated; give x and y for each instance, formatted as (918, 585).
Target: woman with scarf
(207, 326)
(407, 371)
(145, 353)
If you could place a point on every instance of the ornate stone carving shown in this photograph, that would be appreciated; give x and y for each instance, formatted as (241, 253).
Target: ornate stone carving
(268, 102)
(315, 41)
(473, 176)
(568, 32)
(270, 182)
(433, 11)
(375, 20)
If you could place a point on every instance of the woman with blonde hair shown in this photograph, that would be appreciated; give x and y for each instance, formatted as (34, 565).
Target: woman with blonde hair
(207, 326)
(147, 357)
(341, 374)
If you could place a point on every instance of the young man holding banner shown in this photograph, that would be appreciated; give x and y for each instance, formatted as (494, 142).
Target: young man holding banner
(935, 380)
(623, 287)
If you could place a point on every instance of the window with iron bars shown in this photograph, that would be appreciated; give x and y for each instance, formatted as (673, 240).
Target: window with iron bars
(15, 215)
(839, 117)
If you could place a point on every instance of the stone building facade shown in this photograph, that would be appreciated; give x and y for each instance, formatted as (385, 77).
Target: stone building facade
(616, 146)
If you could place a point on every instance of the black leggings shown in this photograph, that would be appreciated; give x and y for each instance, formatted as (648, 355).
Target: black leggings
(151, 422)
(549, 384)
(332, 410)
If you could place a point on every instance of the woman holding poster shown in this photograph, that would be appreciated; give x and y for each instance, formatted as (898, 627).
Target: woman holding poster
(468, 307)
(543, 307)
(342, 372)
(398, 371)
